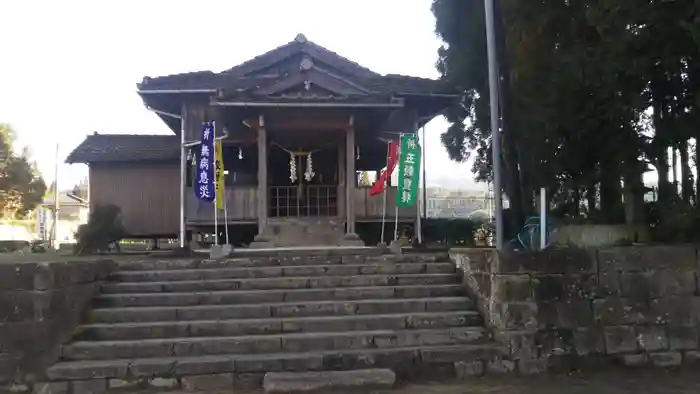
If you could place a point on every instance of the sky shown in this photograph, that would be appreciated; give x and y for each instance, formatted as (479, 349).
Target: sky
(72, 68)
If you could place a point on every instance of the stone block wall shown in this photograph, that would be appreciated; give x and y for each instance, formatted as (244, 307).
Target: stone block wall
(40, 305)
(570, 308)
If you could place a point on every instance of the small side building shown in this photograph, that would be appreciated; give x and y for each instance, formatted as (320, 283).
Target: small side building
(138, 173)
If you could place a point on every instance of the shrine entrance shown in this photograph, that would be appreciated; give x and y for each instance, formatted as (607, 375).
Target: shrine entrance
(303, 174)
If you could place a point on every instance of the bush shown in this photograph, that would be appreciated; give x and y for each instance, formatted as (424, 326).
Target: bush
(445, 232)
(7, 246)
(39, 247)
(450, 232)
(677, 223)
(103, 229)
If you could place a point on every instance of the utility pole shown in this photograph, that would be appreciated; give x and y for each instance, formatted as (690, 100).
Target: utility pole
(495, 124)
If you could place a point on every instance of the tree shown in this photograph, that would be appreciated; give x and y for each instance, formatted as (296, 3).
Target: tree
(595, 90)
(21, 186)
(462, 61)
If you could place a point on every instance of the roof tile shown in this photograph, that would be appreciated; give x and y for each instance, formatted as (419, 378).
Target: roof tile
(125, 148)
(238, 77)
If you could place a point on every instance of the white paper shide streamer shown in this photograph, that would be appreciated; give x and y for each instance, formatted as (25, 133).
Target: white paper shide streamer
(292, 168)
(309, 174)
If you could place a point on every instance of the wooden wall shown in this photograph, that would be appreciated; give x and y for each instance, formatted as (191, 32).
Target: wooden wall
(241, 206)
(147, 193)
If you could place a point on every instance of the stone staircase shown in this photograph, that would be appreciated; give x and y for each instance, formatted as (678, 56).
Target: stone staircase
(312, 232)
(210, 325)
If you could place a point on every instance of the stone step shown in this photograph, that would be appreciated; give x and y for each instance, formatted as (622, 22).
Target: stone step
(284, 309)
(283, 271)
(359, 380)
(299, 282)
(287, 258)
(213, 328)
(398, 359)
(271, 343)
(266, 296)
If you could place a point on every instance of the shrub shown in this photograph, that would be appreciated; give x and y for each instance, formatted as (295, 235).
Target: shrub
(104, 228)
(39, 246)
(450, 232)
(676, 223)
(7, 246)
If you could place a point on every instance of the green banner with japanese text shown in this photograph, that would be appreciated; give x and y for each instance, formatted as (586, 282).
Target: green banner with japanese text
(409, 171)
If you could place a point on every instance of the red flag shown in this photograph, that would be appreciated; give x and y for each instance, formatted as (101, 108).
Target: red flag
(378, 187)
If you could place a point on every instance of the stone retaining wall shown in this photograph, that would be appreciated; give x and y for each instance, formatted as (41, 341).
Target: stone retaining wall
(40, 305)
(570, 308)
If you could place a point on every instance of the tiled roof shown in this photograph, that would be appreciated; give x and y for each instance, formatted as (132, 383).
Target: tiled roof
(308, 98)
(300, 45)
(125, 147)
(192, 80)
(65, 198)
(241, 77)
(404, 84)
(396, 84)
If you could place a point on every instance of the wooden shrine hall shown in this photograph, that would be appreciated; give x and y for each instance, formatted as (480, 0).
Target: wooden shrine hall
(301, 122)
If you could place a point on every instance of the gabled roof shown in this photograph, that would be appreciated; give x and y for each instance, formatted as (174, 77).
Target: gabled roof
(300, 45)
(300, 63)
(65, 198)
(125, 147)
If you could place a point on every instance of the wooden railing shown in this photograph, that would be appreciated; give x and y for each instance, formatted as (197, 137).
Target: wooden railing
(289, 201)
(303, 201)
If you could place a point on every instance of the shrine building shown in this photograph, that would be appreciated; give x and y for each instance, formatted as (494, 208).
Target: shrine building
(301, 122)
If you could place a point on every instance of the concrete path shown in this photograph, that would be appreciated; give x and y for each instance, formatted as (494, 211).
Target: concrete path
(619, 382)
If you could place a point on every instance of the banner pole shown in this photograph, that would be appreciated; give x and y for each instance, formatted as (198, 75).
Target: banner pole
(216, 208)
(182, 241)
(396, 211)
(386, 189)
(419, 224)
(396, 222)
(225, 206)
(425, 179)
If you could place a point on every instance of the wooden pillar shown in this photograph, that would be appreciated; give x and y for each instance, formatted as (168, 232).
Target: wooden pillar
(262, 176)
(342, 180)
(350, 177)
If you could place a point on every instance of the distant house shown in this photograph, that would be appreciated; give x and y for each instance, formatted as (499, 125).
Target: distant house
(13, 232)
(445, 203)
(72, 212)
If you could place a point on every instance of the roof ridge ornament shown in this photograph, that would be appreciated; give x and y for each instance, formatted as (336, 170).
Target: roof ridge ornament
(307, 63)
(300, 38)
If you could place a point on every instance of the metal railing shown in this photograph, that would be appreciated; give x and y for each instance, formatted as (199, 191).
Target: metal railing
(303, 201)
